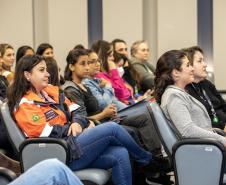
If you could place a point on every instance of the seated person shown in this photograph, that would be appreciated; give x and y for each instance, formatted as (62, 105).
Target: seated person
(109, 72)
(173, 73)
(128, 73)
(139, 60)
(24, 51)
(55, 173)
(204, 91)
(7, 58)
(41, 110)
(131, 76)
(4, 142)
(100, 88)
(76, 70)
(120, 46)
(45, 50)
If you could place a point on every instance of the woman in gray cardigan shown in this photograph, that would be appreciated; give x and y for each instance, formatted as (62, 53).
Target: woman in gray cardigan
(173, 73)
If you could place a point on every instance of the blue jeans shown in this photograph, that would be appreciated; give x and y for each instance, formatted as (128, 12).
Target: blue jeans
(108, 146)
(51, 172)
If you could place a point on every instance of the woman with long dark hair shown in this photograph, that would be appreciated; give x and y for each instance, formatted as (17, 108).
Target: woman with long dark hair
(24, 51)
(46, 50)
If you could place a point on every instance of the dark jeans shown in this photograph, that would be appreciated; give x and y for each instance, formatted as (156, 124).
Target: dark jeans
(108, 146)
(4, 142)
(144, 128)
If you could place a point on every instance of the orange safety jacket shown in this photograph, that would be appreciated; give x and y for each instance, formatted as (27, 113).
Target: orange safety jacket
(37, 117)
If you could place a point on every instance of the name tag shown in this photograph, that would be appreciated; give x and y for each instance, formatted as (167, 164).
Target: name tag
(50, 115)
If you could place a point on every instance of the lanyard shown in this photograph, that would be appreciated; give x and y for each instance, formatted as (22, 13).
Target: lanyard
(206, 98)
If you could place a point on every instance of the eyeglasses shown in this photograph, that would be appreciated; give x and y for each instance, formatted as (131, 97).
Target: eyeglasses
(95, 61)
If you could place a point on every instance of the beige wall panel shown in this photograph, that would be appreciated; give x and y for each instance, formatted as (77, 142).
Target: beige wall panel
(67, 26)
(219, 42)
(123, 19)
(177, 24)
(16, 22)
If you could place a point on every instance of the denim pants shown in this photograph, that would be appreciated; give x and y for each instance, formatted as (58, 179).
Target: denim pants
(51, 172)
(109, 146)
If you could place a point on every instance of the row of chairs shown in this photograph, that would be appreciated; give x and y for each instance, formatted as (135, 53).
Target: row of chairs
(195, 161)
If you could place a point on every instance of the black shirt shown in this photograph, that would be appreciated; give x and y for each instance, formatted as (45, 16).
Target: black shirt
(89, 105)
(3, 87)
(218, 103)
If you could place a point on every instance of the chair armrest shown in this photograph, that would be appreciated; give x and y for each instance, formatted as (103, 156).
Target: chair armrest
(6, 175)
(222, 91)
(98, 176)
(35, 150)
(219, 131)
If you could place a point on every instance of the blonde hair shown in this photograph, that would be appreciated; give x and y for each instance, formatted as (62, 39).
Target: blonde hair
(135, 46)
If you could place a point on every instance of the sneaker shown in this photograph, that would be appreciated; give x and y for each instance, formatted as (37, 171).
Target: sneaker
(161, 180)
(153, 166)
(10, 164)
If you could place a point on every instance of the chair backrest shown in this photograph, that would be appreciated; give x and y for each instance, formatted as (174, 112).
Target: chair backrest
(16, 137)
(165, 131)
(198, 161)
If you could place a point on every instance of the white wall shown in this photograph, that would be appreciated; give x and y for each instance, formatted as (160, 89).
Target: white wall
(169, 25)
(16, 22)
(164, 24)
(150, 31)
(61, 23)
(123, 19)
(67, 26)
(177, 24)
(219, 42)
(40, 22)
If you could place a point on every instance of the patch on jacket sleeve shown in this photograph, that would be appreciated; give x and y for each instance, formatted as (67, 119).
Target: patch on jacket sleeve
(50, 114)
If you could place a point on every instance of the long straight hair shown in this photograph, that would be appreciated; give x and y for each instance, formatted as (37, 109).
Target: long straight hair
(53, 70)
(21, 85)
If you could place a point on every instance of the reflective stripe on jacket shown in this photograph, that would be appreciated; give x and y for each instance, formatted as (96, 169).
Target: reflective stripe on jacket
(36, 120)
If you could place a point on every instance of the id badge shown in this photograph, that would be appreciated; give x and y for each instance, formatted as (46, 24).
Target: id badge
(215, 119)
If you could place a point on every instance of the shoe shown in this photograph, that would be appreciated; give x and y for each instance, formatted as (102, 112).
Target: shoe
(10, 164)
(161, 180)
(158, 165)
